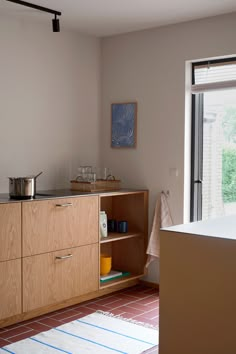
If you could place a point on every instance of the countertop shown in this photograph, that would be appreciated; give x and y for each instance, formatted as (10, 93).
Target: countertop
(61, 193)
(223, 227)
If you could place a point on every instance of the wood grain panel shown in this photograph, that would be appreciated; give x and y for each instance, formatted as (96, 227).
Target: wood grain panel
(133, 208)
(47, 280)
(48, 227)
(106, 205)
(10, 288)
(129, 255)
(128, 252)
(10, 231)
(75, 300)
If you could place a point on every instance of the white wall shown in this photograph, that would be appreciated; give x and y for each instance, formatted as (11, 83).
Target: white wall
(49, 102)
(149, 67)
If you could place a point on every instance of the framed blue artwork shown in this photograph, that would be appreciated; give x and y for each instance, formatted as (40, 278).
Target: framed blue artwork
(123, 125)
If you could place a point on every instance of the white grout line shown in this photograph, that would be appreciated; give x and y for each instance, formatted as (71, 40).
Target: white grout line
(19, 334)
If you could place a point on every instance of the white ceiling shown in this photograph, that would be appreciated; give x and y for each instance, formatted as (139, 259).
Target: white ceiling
(109, 17)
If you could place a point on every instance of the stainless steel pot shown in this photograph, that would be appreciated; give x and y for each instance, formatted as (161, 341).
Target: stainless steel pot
(22, 187)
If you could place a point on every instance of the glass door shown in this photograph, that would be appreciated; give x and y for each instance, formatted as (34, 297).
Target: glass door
(214, 154)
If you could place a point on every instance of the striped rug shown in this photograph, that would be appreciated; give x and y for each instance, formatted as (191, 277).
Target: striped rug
(96, 333)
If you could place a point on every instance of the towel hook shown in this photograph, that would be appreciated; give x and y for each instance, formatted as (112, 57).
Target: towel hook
(167, 193)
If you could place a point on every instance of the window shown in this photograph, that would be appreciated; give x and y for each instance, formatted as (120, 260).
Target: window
(213, 159)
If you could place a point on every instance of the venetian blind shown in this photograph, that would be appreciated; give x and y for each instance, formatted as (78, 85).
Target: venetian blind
(214, 76)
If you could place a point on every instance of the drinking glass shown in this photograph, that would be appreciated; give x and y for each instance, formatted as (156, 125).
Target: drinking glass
(91, 177)
(83, 172)
(103, 172)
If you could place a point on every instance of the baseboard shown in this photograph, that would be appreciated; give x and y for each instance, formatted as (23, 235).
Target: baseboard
(149, 284)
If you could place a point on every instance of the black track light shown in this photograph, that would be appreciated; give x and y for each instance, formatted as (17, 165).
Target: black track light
(55, 21)
(55, 24)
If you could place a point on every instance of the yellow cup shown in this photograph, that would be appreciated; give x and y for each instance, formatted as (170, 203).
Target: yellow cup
(105, 264)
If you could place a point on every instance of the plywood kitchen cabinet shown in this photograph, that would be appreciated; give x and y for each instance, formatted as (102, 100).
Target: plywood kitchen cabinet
(50, 225)
(10, 262)
(128, 250)
(10, 288)
(57, 276)
(10, 231)
(55, 269)
(60, 243)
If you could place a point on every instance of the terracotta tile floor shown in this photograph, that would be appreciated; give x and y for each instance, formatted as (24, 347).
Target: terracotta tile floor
(139, 303)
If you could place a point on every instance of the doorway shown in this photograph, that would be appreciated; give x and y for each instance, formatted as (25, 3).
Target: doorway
(213, 162)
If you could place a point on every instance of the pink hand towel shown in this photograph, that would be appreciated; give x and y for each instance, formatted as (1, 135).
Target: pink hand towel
(162, 218)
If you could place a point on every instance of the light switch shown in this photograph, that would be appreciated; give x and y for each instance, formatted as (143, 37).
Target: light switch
(174, 172)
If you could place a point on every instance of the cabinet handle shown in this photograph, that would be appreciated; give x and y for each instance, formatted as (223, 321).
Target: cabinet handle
(64, 257)
(64, 205)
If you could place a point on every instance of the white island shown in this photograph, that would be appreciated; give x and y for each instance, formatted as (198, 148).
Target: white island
(198, 288)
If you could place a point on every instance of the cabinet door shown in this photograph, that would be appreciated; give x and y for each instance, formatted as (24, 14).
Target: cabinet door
(10, 231)
(54, 277)
(10, 288)
(51, 225)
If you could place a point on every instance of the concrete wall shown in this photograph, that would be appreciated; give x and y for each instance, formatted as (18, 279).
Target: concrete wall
(149, 67)
(49, 102)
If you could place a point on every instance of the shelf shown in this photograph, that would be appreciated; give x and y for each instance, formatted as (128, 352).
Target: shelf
(115, 236)
(119, 280)
(127, 250)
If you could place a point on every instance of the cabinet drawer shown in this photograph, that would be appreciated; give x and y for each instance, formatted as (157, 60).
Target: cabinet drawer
(57, 224)
(10, 231)
(10, 288)
(47, 279)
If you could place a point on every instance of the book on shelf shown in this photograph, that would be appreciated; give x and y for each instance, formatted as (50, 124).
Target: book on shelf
(113, 275)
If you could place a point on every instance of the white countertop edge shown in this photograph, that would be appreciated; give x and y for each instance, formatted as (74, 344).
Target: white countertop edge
(223, 227)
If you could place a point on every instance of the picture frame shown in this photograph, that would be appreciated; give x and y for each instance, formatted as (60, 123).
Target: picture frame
(123, 125)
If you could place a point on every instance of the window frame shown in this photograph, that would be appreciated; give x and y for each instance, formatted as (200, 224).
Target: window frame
(196, 168)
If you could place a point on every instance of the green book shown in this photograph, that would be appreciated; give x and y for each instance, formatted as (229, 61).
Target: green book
(123, 274)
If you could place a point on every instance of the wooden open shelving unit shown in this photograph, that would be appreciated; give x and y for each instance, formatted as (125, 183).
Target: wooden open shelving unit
(128, 250)
(116, 236)
(109, 283)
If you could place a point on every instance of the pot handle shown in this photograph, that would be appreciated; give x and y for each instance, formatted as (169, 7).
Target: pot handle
(38, 175)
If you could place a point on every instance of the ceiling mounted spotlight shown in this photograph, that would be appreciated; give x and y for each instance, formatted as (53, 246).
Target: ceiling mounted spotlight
(55, 21)
(55, 24)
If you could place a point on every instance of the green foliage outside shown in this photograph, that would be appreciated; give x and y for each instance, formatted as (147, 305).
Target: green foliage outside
(229, 124)
(229, 175)
(229, 156)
